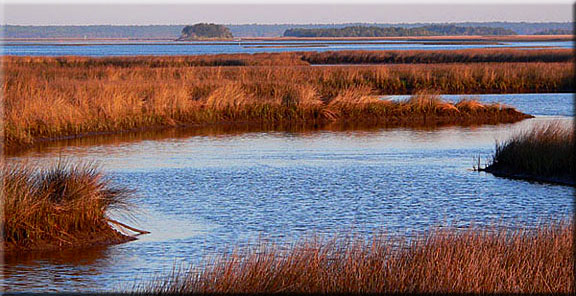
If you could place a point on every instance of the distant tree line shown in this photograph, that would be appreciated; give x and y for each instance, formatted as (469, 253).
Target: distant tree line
(246, 30)
(554, 32)
(373, 31)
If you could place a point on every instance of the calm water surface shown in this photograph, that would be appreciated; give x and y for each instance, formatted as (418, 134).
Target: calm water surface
(108, 48)
(200, 192)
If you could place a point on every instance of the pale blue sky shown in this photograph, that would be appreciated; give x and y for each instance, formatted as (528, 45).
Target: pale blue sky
(139, 14)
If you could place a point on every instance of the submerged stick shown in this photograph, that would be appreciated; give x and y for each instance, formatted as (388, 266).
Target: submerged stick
(128, 227)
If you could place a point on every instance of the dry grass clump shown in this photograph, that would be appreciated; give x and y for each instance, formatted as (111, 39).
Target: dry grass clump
(355, 103)
(470, 105)
(428, 103)
(475, 260)
(47, 98)
(63, 205)
(545, 152)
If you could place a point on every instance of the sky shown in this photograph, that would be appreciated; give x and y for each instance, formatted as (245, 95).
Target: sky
(149, 12)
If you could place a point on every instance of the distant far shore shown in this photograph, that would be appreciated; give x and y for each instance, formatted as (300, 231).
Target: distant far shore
(509, 38)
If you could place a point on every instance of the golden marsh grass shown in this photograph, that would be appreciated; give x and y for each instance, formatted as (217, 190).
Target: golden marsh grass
(64, 205)
(474, 260)
(47, 98)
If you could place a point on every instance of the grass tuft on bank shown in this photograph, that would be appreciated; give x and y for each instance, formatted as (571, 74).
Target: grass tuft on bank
(544, 153)
(61, 206)
(473, 260)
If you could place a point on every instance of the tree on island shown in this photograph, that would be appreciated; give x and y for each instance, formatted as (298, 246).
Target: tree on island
(205, 31)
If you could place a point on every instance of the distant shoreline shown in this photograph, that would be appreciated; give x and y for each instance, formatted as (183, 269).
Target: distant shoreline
(508, 38)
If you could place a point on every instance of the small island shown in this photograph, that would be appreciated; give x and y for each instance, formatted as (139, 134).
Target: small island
(203, 31)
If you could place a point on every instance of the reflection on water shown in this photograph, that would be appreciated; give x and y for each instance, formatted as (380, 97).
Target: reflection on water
(75, 269)
(172, 135)
(201, 192)
(162, 227)
(541, 104)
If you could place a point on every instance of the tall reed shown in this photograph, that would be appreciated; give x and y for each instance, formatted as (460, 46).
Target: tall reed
(475, 260)
(64, 205)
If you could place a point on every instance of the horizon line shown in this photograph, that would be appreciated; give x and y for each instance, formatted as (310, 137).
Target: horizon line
(280, 24)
